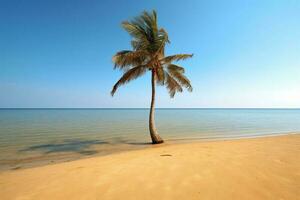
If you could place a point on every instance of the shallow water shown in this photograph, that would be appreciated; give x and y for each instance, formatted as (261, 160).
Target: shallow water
(28, 136)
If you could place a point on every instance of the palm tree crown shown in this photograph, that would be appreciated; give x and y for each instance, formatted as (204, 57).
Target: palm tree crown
(147, 54)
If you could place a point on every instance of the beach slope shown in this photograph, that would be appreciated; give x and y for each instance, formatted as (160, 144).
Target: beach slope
(258, 168)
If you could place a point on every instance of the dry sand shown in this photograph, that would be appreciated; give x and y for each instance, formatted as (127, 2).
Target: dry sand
(260, 168)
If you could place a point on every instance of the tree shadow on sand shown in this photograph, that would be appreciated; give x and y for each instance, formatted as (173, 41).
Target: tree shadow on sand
(140, 143)
(77, 146)
(121, 140)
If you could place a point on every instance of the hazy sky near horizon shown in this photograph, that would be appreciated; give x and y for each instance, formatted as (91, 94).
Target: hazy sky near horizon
(58, 53)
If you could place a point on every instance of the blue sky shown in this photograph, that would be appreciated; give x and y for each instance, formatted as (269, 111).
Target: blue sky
(58, 53)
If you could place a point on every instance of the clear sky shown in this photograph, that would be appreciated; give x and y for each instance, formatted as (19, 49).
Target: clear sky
(58, 53)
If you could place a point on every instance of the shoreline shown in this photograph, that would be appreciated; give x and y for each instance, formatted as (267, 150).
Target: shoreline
(255, 168)
(40, 161)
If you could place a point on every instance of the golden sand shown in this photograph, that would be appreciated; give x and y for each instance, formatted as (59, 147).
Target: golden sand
(260, 168)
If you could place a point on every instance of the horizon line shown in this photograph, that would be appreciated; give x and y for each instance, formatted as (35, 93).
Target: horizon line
(142, 108)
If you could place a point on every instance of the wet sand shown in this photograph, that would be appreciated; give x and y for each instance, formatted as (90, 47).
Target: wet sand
(257, 168)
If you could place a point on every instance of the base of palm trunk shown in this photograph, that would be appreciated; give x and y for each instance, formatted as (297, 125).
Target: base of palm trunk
(157, 139)
(157, 142)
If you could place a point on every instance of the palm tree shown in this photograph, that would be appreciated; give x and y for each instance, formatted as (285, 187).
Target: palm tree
(148, 44)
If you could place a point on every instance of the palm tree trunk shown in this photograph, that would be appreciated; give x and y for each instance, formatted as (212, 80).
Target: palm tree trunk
(156, 139)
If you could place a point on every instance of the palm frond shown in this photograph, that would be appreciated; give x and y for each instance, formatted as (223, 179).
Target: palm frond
(150, 20)
(134, 29)
(164, 34)
(128, 76)
(175, 58)
(176, 72)
(127, 58)
(173, 67)
(172, 85)
(145, 32)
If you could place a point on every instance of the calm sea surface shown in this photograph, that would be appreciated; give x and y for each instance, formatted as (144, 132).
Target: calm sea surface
(30, 136)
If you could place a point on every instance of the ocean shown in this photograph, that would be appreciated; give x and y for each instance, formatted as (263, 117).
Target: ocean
(30, 137)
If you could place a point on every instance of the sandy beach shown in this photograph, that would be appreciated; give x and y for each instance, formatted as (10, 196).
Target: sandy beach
(257, 168)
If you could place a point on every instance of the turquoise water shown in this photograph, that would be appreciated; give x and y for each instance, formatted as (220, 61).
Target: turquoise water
(50, 135)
